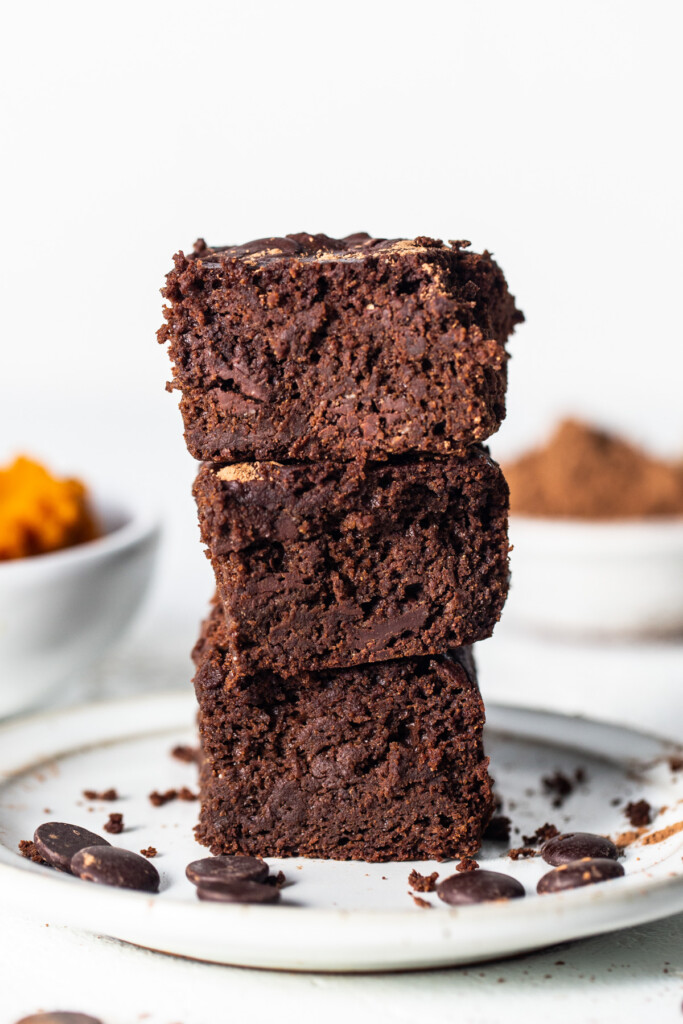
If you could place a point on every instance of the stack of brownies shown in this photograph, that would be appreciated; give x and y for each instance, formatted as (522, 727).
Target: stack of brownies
(336, 392)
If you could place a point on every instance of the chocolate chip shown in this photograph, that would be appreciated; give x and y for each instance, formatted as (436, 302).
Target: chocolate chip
(224, 870)
(57, 842)
(578, 873)
(238, 892)
(110, 865)
(479, 887)
(60, 1017)
(575, 846)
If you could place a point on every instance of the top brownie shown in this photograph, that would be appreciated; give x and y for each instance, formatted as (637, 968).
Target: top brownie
(313, 348)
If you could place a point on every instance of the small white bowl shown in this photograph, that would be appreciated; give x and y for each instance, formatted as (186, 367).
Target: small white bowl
(618, 578)
(60, 612)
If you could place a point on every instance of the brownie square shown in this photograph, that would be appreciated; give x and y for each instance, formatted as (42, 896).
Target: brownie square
(314, 348)
(336, 564)
(377, 762)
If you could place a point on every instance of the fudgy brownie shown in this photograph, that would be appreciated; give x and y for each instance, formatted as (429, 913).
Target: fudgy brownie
(313, 348)
(335, 564)
(377, 762)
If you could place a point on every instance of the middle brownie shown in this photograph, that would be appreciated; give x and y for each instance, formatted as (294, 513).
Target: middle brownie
(337, 564)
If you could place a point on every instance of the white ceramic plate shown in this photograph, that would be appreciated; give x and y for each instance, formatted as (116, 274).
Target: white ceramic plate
(336, 916)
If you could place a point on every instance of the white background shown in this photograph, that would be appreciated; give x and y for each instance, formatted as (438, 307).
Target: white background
(548, 132)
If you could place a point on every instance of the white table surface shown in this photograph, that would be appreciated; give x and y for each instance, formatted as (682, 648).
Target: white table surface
(632, 975)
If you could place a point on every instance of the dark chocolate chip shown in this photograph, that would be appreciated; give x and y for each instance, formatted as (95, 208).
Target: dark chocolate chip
(479, 887)
(575, 846)
(110, 865)
(578, 873)
(60, 1017)
(225, 870)
(57, 842)
(238, 892)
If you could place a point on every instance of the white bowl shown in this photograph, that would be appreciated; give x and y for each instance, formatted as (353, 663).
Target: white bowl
(617, 578)
(60, 612)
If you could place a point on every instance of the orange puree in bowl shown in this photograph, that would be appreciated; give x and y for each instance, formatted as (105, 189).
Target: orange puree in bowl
(40, 513)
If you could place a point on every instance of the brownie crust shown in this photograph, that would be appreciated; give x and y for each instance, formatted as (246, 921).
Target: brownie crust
(336, 564)
(378, 762)
(312, 348)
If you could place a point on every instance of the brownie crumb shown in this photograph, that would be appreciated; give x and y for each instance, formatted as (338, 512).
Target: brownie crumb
(560, 785)
(150, 852)
(423, 883)
(542, 834)
(522, 853)
(498, 829)
(467, 864)
(676, 764)
(277, 880)
(158, 799)
(639, 813)
(186, 794)
(189, 755)
(114, 824)
(29, 850)
(105, 794)
(419, 902)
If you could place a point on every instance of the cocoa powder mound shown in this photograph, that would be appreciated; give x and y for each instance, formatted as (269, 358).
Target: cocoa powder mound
(583, 472)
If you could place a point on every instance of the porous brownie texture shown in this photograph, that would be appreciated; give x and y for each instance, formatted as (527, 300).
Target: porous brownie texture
(336, 564)
(311, 348)
(377, 762)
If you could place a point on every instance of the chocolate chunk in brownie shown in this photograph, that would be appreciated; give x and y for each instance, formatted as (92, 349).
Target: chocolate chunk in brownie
(336, 564)
(376, 762)
(311, 348)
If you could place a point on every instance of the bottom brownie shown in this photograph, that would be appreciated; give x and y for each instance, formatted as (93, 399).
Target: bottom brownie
(376, 762)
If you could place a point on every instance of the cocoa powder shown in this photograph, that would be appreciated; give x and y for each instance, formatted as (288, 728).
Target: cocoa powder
(583, 472)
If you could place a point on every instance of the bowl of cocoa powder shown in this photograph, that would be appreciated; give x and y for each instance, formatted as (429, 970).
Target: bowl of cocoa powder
(596, 527)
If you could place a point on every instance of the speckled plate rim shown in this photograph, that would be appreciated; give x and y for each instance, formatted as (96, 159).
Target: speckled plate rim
(318, 939)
